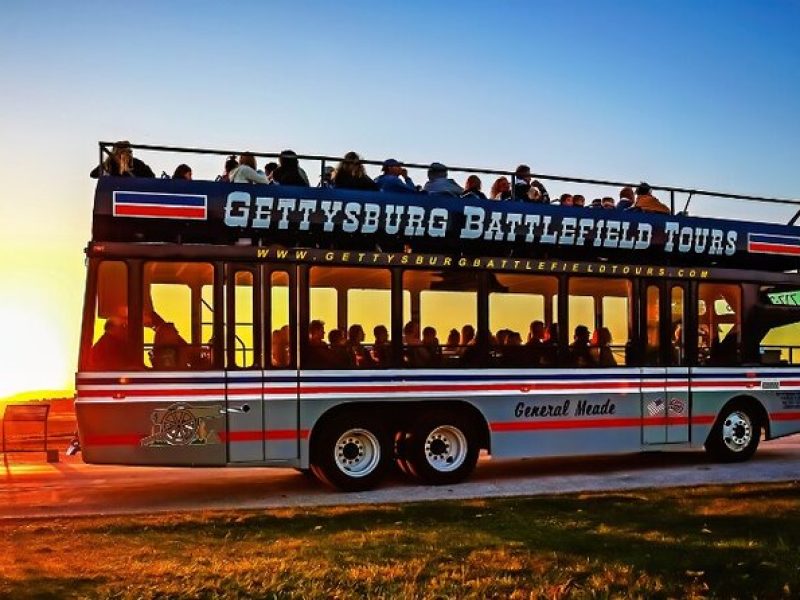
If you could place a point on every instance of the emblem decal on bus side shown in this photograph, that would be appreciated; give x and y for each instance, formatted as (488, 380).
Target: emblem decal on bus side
(770, 384)
(183, 425)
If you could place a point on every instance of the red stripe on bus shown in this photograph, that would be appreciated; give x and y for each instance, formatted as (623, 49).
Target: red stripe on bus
(140, 210)
(599, 423)
(130, 439)
(773, 248)
(785, 416)
(121, 439)
(270, 436)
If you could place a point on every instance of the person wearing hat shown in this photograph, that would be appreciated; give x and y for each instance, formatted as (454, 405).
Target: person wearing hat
(523, 182)
(394, 178)
(121, 163)
(646, 202)
(439, 183)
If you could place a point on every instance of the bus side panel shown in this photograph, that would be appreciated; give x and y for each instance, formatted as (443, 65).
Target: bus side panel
(565, 423)
(148, 419)
(777, 390)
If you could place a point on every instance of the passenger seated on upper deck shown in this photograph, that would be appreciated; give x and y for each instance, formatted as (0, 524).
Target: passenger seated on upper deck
(646, 202)
(183, 171)
(565, 200)
(607, 202)
(501, 189)
(230, 164)
(626, 198)
(579, 201)
(269, 171)
(170, 350)
(394, 178)
(439, 183)
(289, 172)
(351, 175)
(579, 350)
(121, 163)
(472, 188)
(113, 351)
(524, 182)
(246, 171)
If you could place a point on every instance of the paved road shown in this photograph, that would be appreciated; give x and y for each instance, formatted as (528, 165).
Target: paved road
(29, 489)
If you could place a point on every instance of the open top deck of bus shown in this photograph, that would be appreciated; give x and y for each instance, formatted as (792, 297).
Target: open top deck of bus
(227, 214)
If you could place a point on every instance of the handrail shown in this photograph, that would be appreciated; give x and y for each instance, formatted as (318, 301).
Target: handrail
(325, 159)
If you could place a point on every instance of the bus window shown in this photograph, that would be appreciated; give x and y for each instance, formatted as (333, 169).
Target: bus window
(111, 348)
(652, 349)
(243, 321)
(719, 324)
(677, 327)
(173, 297)
(521, 317)
(281, 334)
(442, 309)
(599, 321)
(349, 318)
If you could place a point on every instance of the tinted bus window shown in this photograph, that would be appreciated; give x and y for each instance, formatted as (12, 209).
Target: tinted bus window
(173, 297)
(439, 304)
(719, 324)
(600, 322)
(350, 318)
(281, 334)
(522, 311)
(111, 347)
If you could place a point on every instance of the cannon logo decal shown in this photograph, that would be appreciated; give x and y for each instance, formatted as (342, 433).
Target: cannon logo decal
(183, 425)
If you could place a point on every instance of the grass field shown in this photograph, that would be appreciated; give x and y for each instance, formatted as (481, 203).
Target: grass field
(741, 541)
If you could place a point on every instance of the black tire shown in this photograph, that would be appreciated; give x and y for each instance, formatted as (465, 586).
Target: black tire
(442, 448)
(736, 433)
(350, 452)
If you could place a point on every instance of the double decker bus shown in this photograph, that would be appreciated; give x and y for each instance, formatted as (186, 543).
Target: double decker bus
(345, 332)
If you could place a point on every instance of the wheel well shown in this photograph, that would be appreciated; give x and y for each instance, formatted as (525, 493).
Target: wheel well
(755, 405)
(401, 414)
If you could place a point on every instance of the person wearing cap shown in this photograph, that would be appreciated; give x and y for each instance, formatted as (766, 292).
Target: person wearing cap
(439, 183)
(121, 163)
(523, 182)
(394, 178)
(646, 202)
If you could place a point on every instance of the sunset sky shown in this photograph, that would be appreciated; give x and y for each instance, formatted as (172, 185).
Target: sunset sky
(689, 93)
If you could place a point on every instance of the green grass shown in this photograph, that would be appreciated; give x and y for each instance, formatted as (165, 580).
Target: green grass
(726, 542)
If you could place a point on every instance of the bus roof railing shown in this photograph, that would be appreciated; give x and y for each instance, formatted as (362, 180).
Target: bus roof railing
(326, 159)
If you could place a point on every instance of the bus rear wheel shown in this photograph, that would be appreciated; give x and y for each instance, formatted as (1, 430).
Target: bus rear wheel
(350, 452)
(735, 435)
(442, 448)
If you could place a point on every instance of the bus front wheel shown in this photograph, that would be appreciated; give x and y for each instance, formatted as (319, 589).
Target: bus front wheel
(442, 448)
(735, 435)
(350, 452)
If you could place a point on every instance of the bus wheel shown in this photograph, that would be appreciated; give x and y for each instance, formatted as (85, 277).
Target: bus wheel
(441, 448)
(735, 435)
(351, 453)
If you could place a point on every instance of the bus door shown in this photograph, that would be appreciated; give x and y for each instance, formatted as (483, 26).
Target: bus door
(665, 373)
(243, 357)
(280, 375)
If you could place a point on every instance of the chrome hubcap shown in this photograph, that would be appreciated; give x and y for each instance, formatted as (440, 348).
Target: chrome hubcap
(446, 448)
(737, 431)
(357, 452)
